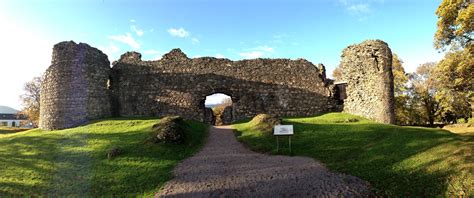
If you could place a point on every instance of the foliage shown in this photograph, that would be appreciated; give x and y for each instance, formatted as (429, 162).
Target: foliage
(219, 110)
(31, 100)
(455, 74)
(424, 90)
(400, 79)
(337, 73)
(455, 26)
(73, 162)
(397, 161)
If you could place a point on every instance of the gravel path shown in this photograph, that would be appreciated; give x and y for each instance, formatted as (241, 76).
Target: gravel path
(225, 168)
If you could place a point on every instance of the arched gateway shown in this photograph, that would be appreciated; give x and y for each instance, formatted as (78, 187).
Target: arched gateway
(178, 85)
(80, 85)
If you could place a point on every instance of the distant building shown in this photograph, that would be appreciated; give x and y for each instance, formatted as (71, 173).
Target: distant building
(9, 117)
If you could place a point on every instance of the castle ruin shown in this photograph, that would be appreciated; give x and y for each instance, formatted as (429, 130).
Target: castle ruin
(80, 85)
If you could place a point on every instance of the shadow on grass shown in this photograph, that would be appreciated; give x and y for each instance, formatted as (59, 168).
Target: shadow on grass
(10, 130)
(398, 161)
(74, 163)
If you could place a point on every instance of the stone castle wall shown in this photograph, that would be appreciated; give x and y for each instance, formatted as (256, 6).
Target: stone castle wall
(74, 88)
(178, 85)
(80, 85)
(367, 69)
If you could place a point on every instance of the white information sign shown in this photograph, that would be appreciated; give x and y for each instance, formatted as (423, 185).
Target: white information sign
(283, 130)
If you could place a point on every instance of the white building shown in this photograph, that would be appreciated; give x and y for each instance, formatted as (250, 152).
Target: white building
(9, 117)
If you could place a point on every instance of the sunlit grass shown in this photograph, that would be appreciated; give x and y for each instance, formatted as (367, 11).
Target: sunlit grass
(73, 162)
(397, 161)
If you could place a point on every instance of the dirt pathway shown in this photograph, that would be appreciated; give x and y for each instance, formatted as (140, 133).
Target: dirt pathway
(225, 168)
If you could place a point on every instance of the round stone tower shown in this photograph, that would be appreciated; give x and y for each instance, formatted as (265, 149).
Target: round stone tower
(367, 69)
(75, 86)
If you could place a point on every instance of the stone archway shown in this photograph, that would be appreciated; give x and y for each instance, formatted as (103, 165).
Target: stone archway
(75, 88)
(218, 109)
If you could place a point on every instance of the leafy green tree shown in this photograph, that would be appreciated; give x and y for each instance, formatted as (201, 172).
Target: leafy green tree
(455, 26)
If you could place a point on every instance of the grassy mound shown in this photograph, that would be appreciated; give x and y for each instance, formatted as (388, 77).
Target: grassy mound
(397, 161)
(171, 129)
(264, 123)
(105, 158)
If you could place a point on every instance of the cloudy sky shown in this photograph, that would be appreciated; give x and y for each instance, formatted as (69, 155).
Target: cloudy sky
(243, 29)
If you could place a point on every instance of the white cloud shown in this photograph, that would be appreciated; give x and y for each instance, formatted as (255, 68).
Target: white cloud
(109, 50)
(215, 99)
(218, 55)
(251, 55)
(181, 32)
(132, 21)
(195, 41)
(137, 31)
(264, 48)
(127, 39)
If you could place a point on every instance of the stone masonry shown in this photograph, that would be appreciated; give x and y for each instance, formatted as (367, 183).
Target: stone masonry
(74, 88)
(80, 85)
(367, 69)
(178, 85)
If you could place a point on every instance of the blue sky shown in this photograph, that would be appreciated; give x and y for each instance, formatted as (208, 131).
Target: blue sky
(314, 30)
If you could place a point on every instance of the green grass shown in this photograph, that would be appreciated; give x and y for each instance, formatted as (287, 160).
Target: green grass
(8, 130)
(73, 162)
(397, 161)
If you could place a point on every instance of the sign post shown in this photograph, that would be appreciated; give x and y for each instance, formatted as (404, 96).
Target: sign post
(283, 130)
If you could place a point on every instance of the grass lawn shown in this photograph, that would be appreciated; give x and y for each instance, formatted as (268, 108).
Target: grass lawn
(8, 130)
(397, 161)
(73, 162)
(463, 129)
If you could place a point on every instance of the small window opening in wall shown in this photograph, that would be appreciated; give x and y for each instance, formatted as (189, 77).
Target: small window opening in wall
(221, 106)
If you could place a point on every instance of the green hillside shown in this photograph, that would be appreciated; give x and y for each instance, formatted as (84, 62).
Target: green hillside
(397, 161)
(73, 162)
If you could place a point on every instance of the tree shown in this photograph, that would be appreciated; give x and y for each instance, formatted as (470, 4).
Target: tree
(400, 79)
(337, 73)
(455, 74)
(424, 86)
(455, 26)
(31, 100)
